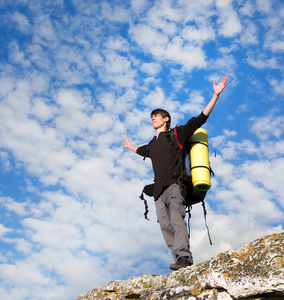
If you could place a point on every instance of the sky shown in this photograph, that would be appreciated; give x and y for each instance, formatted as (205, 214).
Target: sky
(76, 78)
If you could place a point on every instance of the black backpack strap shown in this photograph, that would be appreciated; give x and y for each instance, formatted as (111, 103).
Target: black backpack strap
(172, 133)
(149, 191)
(146, 206)
(205, 213)
(174, 139)
(188, 210)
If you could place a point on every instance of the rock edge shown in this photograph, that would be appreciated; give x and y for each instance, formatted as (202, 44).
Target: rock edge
(253, 272)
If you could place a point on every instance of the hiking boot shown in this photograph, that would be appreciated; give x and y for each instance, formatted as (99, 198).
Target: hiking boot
(182, 262)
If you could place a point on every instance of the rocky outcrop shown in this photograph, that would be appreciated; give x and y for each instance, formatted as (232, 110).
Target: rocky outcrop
(253, 272)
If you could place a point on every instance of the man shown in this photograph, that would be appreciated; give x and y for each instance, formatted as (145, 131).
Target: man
(169, 201)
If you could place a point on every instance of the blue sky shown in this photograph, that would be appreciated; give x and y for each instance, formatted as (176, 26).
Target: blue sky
(76, 78)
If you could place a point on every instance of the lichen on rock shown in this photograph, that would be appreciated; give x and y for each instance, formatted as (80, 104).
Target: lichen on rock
(253, 272)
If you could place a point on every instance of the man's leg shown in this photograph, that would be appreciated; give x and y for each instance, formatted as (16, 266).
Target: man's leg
(177, 214)
(165, 224)
(171, 212)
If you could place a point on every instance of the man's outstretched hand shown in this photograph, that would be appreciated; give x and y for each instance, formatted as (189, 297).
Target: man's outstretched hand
(127, 144)
(219, 88)
(217, 91)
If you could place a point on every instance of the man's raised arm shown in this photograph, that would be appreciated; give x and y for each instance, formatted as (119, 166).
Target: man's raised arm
(217, 91)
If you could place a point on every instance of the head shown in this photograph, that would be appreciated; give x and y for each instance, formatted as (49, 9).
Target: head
(164, 115)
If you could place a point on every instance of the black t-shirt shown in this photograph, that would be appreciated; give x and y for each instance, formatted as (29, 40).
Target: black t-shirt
(165, 156)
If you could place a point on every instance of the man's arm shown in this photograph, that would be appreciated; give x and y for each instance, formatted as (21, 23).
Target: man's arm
(127, 144)
(217, 91)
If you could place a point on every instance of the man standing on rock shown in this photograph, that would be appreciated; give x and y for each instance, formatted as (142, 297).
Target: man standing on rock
(169, 202)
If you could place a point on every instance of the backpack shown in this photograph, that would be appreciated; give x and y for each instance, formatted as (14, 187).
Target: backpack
(190, 194)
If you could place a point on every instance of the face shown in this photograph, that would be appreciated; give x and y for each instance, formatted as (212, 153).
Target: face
(158, 121)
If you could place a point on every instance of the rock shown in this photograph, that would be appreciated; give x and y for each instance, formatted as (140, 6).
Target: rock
(255, 272)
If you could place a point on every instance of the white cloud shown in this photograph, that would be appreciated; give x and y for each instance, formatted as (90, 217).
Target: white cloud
(40, 149)
(242, 108)
(117, 44)
(272, 149)
(3, 229)
(42, 110)
(87, 174)
(249, 34)
(5, 160)
(151, 68)
(138, 6)
(46, 233)
(117, 69)
(263, 6)
(44, 31)
(71, 117)
(175, 50)
(247, 9)
(228, 19)
(195, 104)
(148, 38)
(225, 64)
(13, 206)
(260, 61)
(95, 59)
(265, 173)
(155, 98)
(163, 13)
(17, 56)
(235, 205)
(275, 41)
(183, 11)
(188, 56)
(273, 21)
(116, 13)
(23, 23)
(115, 104)
(230, 133)
(267, 126)
(21, 245)
(278, 86)
(198, 35)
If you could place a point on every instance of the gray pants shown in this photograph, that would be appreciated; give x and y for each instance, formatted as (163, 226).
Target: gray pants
(171, 213)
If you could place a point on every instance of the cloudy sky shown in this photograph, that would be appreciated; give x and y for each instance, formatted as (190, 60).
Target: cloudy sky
(76, 78)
